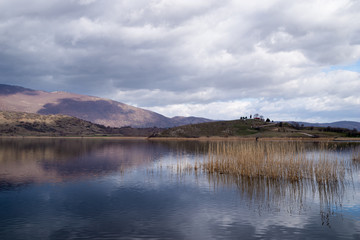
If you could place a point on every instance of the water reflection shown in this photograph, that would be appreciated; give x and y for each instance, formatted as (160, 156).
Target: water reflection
(116, 189)
(24, 161)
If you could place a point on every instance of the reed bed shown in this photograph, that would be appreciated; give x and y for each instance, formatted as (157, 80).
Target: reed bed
(273, 175)
(274, 160)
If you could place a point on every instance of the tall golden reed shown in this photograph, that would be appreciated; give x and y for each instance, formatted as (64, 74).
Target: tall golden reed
(274, 160)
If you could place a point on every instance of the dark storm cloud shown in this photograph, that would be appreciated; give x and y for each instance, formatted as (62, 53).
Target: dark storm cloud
(163, 54)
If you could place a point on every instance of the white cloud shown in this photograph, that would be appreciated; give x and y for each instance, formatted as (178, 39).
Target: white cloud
(231, 109)
(189, 53)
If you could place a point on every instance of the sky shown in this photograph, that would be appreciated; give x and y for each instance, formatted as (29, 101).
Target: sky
(286, 60)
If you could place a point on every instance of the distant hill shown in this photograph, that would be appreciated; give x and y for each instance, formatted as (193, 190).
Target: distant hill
(253, 128)
(340, 124)
(178, 121)
(26, 124)
(94, 109)
(32, 124)
(250, 127)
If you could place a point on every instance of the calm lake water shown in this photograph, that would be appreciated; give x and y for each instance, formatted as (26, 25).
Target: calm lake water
(132, 189)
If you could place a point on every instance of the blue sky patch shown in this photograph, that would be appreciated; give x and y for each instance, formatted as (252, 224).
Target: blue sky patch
(355, 67)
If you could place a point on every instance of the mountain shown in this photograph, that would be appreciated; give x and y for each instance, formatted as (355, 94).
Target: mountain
(340, 124)
(94, 109)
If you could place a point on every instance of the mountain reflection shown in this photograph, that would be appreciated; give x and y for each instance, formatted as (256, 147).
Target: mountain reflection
(24, 161)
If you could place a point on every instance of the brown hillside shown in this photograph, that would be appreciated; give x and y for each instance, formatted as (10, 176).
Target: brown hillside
(31, 124)
(97, 110)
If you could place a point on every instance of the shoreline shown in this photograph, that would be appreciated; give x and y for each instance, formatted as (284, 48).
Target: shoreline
(202, 139)
(74, 137)
(260, 139)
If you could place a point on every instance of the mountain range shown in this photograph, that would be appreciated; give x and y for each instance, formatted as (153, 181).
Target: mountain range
(94, 109)
(340, 124)
(104, 111)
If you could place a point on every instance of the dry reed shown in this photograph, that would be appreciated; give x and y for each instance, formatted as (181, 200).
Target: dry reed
(356, 156)
(281, 161)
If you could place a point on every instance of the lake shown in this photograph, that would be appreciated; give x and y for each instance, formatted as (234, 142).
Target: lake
(62, 188)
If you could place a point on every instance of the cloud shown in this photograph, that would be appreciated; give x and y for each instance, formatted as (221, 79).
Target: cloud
(183, 53)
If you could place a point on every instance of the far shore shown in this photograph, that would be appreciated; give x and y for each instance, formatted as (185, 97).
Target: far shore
(214, 138)
(305, 139)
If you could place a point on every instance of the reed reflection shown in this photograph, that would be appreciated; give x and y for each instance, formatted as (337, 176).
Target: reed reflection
(269, 195)
(279, 176)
